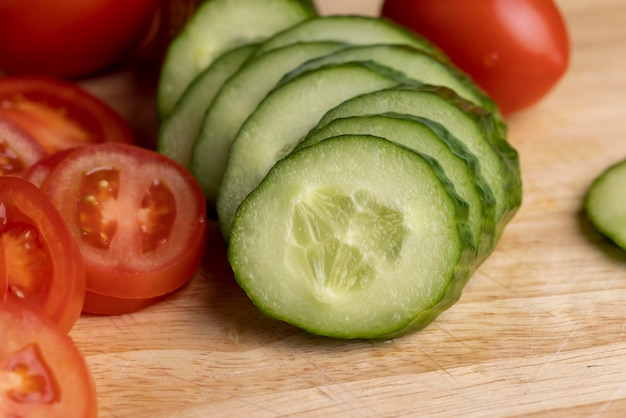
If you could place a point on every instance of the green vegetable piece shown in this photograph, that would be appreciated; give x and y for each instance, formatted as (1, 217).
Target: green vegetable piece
(606, 206)
(326, 245)
(179, 130)
(218, 26)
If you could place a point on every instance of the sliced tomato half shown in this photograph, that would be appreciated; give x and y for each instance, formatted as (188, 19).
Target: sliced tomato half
(60, 114)
(18, 150)
(43, 265)
(42, 372)
(138, 217)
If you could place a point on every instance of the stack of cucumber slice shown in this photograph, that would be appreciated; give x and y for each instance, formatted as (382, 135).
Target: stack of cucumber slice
(359, 178)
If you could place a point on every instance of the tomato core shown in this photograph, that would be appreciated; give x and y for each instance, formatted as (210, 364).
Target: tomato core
(34, 381)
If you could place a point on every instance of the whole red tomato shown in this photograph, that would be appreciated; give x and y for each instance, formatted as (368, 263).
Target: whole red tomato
(516, 50)
(70, 38)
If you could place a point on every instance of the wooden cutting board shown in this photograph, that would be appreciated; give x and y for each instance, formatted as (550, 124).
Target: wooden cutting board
(540, 329)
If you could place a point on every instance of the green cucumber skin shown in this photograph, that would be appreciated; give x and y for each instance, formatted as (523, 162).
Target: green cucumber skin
(489, 128)
(604, 204)
(179, 130)
(432, 139)
(252, 214)
(235, 101)
(416, 64)
(282, 119)
(218, 26)
(350, 29)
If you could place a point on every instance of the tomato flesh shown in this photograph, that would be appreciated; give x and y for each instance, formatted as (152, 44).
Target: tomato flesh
(42, 264)
(42, 373)
(516, 50)
(138, 217)
(60, 115)
(18, 150)
(38, 171)
(28, 260)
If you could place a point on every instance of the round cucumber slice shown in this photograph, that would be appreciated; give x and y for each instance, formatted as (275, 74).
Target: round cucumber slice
(216, 27)
(415, 64)
(432, 139)
(282, 119)
(605, 204)
(235, 101)
(179, 129)
(349, 29)
(324, 244)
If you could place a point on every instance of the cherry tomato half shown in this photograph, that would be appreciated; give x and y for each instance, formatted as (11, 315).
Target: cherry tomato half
(516, 50)
(42, 372)
(42, 261)
(60, 114)
(138, 217)
(70, 38)
(18, 150)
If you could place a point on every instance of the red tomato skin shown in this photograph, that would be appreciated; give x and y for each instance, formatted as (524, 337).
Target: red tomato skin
(31, 339)
(69, 38)
(67, 105)
(129, 274)
(516, 50)
(97, 304)
(61, 295)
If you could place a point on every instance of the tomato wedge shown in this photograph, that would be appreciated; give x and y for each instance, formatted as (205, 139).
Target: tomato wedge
(43, 265)
(42, 372)
(139, 218)
(18, 150)
(60, 114)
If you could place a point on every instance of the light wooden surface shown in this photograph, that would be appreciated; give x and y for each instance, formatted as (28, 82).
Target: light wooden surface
(540, 329)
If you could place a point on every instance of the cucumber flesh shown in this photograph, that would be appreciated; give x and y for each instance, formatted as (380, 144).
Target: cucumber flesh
(483, 134)
(235, 101)
(415, 64)
(605, 204)
(178, 131)
(218, 26)
(349, 29)
(282, 119)
(431, 139)
(325, 245)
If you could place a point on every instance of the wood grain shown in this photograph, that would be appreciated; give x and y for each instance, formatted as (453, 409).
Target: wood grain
(539, 331)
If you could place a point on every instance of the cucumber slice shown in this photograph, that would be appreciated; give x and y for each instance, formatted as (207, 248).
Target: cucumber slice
(179, 129)
(216, 27)
(432, 139)
(282, 119)
(483, 133)
(326, 246)
(235, 101)
(605, 204)
(415, 64)
(349, 29)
